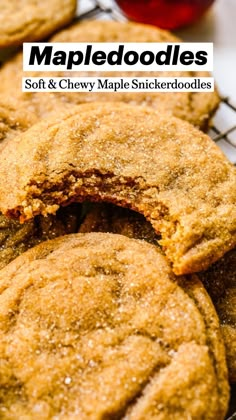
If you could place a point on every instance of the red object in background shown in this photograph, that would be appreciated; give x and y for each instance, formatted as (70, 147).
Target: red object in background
(167, 14)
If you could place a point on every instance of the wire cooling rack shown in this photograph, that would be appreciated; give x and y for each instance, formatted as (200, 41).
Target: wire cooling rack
(223, 130)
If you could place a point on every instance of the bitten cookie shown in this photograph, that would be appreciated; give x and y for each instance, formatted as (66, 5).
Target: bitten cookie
(150, 163)
(32, 20)
(97, 326)
(195, 107)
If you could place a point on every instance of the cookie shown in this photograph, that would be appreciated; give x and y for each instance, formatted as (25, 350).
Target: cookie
(219, 279)
(150, 163)
(16, 238)
(194, 107)
(30, 20)
(97, 326)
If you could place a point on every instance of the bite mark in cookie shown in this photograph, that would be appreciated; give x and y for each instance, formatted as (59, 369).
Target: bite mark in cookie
(133, 157)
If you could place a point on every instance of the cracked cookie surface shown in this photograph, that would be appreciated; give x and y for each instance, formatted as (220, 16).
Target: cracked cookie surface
(196, 107)
(32, 20)
(97, 326)
(150, 163)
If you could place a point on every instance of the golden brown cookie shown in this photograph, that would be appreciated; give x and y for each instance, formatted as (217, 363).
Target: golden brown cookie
(196, 108)
(32, 20)
(97, 326)
(219, 279)
(150, 163)
(16, 238)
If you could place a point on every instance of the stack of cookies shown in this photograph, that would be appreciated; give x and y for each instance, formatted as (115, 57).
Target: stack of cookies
(122, 307)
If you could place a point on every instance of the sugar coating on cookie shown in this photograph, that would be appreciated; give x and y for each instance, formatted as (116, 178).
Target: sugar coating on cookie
(133, 157)
(195, 107)
(97, 326)
(32, 20)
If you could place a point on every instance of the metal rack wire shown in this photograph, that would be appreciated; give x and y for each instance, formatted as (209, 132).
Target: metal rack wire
(221, 135)
(224, 134)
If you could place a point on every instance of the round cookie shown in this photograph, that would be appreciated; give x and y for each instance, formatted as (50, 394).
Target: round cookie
(16, 238)
(97, 326)
(196, 107)
(150, 163)
(32, 20)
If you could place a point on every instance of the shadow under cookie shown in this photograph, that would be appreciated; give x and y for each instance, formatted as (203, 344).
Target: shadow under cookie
(220, 282)
(16, 238)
